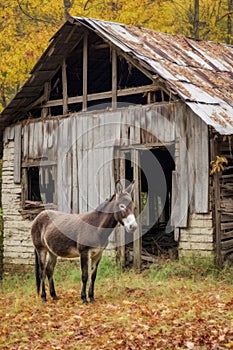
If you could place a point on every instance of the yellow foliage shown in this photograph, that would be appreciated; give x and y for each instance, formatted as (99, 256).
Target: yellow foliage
(217, 165)
(26, 27)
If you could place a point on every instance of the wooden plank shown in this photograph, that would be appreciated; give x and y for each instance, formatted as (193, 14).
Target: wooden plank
(191, 145)
(75, 207)
(36, 141)
(225, 245)
(216, 206)
(162, 129)
(226, 225)
(64, 88)
(124, 128)
(102, 95)
(175, 205)
(25, 142)
(31, 141)
(85, 67)
(149, 137)
(137, 129)
(117, 127)
(137, 240)
(143, 125)
(183, 180)
(64, 167)
(201, 167)
(40, 139)
(17, 153)
(37, 163)
(114, 79)
(121, 230)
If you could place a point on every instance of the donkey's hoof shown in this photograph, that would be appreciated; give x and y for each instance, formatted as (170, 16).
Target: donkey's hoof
(85, 302)
(92, 300)
(44, 300)
(55, 298)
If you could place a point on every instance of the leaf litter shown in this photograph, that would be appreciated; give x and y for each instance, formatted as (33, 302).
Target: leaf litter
(157, 316)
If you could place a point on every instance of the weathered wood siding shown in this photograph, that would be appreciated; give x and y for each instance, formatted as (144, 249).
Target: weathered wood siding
(82, 146)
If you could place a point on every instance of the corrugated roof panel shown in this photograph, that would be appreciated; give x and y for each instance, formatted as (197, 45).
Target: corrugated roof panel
(199, 72)
(219, 117)
(193, 93)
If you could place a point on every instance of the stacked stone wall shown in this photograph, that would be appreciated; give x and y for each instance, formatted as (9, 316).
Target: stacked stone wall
(18, 248)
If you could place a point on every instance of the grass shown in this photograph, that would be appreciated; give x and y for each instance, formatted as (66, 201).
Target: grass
(172, 305)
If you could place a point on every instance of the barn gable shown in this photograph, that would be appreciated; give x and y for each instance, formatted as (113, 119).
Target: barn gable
(103, 102)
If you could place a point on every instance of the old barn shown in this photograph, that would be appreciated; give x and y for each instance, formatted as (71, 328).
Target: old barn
(108, 101)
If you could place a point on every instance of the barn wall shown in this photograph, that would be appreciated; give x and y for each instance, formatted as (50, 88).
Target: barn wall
(18, 248)
(83, 147)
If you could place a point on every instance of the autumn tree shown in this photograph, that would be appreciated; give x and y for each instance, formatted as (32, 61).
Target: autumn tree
(27, 25)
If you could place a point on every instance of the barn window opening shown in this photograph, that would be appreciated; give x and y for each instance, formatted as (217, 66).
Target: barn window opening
(40, 185)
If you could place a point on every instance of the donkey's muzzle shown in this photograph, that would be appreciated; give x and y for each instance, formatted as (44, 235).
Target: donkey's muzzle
(130, 223)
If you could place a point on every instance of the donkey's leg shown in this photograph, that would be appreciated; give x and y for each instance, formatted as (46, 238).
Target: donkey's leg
(95, 259)
(42, 263)
(49, 272)
(84, 268)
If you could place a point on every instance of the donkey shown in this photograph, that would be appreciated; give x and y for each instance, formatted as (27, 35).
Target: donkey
(79, 235)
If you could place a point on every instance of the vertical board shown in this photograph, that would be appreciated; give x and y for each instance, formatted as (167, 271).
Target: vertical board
(201, 190)
(64, 162)
(25, 142)
(17, 153)
(137, 239)
(75, 206)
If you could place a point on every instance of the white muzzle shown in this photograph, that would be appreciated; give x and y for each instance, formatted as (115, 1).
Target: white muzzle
(130, 223)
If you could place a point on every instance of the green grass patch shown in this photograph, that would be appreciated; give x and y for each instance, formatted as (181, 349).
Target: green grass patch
(171, 305)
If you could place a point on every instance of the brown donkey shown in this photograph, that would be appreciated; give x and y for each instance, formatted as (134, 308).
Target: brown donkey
(79, 235)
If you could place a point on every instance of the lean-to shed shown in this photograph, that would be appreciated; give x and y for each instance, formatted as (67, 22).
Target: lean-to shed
(108, 101)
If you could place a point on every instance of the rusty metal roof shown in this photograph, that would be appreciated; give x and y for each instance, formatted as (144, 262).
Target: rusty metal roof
(198, 72)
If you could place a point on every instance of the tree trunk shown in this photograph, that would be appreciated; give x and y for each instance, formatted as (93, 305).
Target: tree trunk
(229, 21)
(196, 18)
(67, 7)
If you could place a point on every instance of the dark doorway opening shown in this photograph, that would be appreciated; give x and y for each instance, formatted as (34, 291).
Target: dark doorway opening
(155, 186)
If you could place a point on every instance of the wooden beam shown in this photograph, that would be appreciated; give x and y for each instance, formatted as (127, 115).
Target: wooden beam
(121, 228)
(39, 163)
(104, 95)
(85, 66)
(137, 239)
(47, 90)
(64, 88)
(114, 79)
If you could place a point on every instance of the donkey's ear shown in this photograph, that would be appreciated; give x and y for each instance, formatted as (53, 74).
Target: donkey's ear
(118, 188)
(130, 188)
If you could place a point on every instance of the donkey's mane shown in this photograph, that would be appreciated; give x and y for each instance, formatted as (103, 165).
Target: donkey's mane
(102, 206)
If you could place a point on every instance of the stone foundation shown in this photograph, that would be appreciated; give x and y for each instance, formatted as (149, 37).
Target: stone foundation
(198, 238)
(18, 248)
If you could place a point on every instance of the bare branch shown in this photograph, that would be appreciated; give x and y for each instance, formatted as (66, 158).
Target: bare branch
(33, 18)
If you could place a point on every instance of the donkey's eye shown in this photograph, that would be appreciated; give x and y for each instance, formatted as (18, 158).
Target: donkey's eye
(122, 206)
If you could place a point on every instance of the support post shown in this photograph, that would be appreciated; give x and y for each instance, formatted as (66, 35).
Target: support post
(85, 64)
(216, 207)
(64, 88)
(114, 79)
(137, 241)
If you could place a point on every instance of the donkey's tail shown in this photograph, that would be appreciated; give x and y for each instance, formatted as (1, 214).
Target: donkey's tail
(37, 272)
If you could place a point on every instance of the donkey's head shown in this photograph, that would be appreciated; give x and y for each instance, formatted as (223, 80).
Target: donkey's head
(124, 207)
